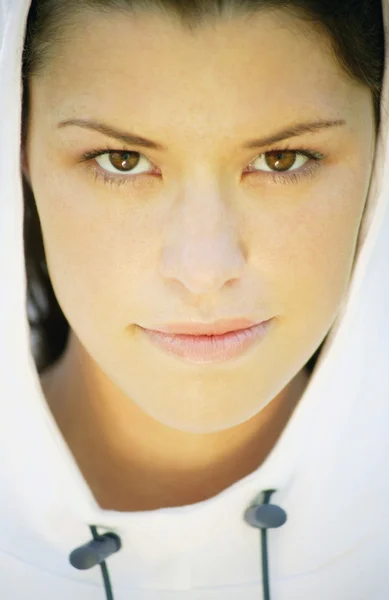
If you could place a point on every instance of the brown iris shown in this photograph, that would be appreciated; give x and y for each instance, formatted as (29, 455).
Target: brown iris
(124, 161)
(280, 160)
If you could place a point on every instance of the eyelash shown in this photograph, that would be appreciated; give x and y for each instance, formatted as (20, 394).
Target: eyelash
(308, 170)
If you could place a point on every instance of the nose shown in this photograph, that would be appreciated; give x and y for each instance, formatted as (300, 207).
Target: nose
(202, 250)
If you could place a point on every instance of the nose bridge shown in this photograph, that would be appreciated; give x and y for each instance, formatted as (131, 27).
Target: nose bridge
(203, 207)
(202, 249)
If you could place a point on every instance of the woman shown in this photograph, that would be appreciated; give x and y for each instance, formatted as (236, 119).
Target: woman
(202, 407)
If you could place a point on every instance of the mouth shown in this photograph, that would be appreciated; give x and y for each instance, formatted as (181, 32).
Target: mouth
(202, 345)
(216, 328)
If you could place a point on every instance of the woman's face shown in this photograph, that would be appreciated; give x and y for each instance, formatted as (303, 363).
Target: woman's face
(201, 227)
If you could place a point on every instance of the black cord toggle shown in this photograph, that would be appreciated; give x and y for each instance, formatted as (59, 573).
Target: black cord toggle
(264, 516)
(95, 551)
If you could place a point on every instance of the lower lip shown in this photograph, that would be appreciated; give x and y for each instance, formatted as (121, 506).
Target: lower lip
(203, 349)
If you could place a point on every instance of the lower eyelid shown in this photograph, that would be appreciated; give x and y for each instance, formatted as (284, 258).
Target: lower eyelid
(309, 170)
(108, 178)
(117, 181)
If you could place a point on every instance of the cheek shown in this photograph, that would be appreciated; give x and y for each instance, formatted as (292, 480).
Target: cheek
(97, 251)
(308, 252)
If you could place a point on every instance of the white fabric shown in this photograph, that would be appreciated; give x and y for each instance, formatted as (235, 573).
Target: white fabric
(331, 473)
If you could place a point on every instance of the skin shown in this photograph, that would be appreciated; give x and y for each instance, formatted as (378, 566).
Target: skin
(196, 237)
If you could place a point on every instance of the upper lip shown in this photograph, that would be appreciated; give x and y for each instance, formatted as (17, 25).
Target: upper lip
(197, 328)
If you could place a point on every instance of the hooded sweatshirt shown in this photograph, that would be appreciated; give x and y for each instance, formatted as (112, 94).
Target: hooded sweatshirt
(312, 522)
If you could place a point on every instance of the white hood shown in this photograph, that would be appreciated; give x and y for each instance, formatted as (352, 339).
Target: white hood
(335, 542)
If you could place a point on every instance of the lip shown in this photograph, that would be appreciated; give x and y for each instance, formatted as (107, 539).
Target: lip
(214, 328)
(208, 348)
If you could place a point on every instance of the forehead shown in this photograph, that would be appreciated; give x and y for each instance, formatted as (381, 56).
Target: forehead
(228, 71)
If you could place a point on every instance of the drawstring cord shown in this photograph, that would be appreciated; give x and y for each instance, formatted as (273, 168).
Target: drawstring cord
(95, 552)
(263, 516)
(104, 569)
(260, 515)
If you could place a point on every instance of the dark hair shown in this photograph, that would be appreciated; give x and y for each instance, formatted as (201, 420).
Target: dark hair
(356, 37)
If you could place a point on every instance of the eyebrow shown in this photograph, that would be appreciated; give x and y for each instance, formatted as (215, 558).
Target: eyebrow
(133, 139)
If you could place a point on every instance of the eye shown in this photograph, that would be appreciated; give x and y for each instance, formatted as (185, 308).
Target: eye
(123, 162)
(286, 165)
(280, 161)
